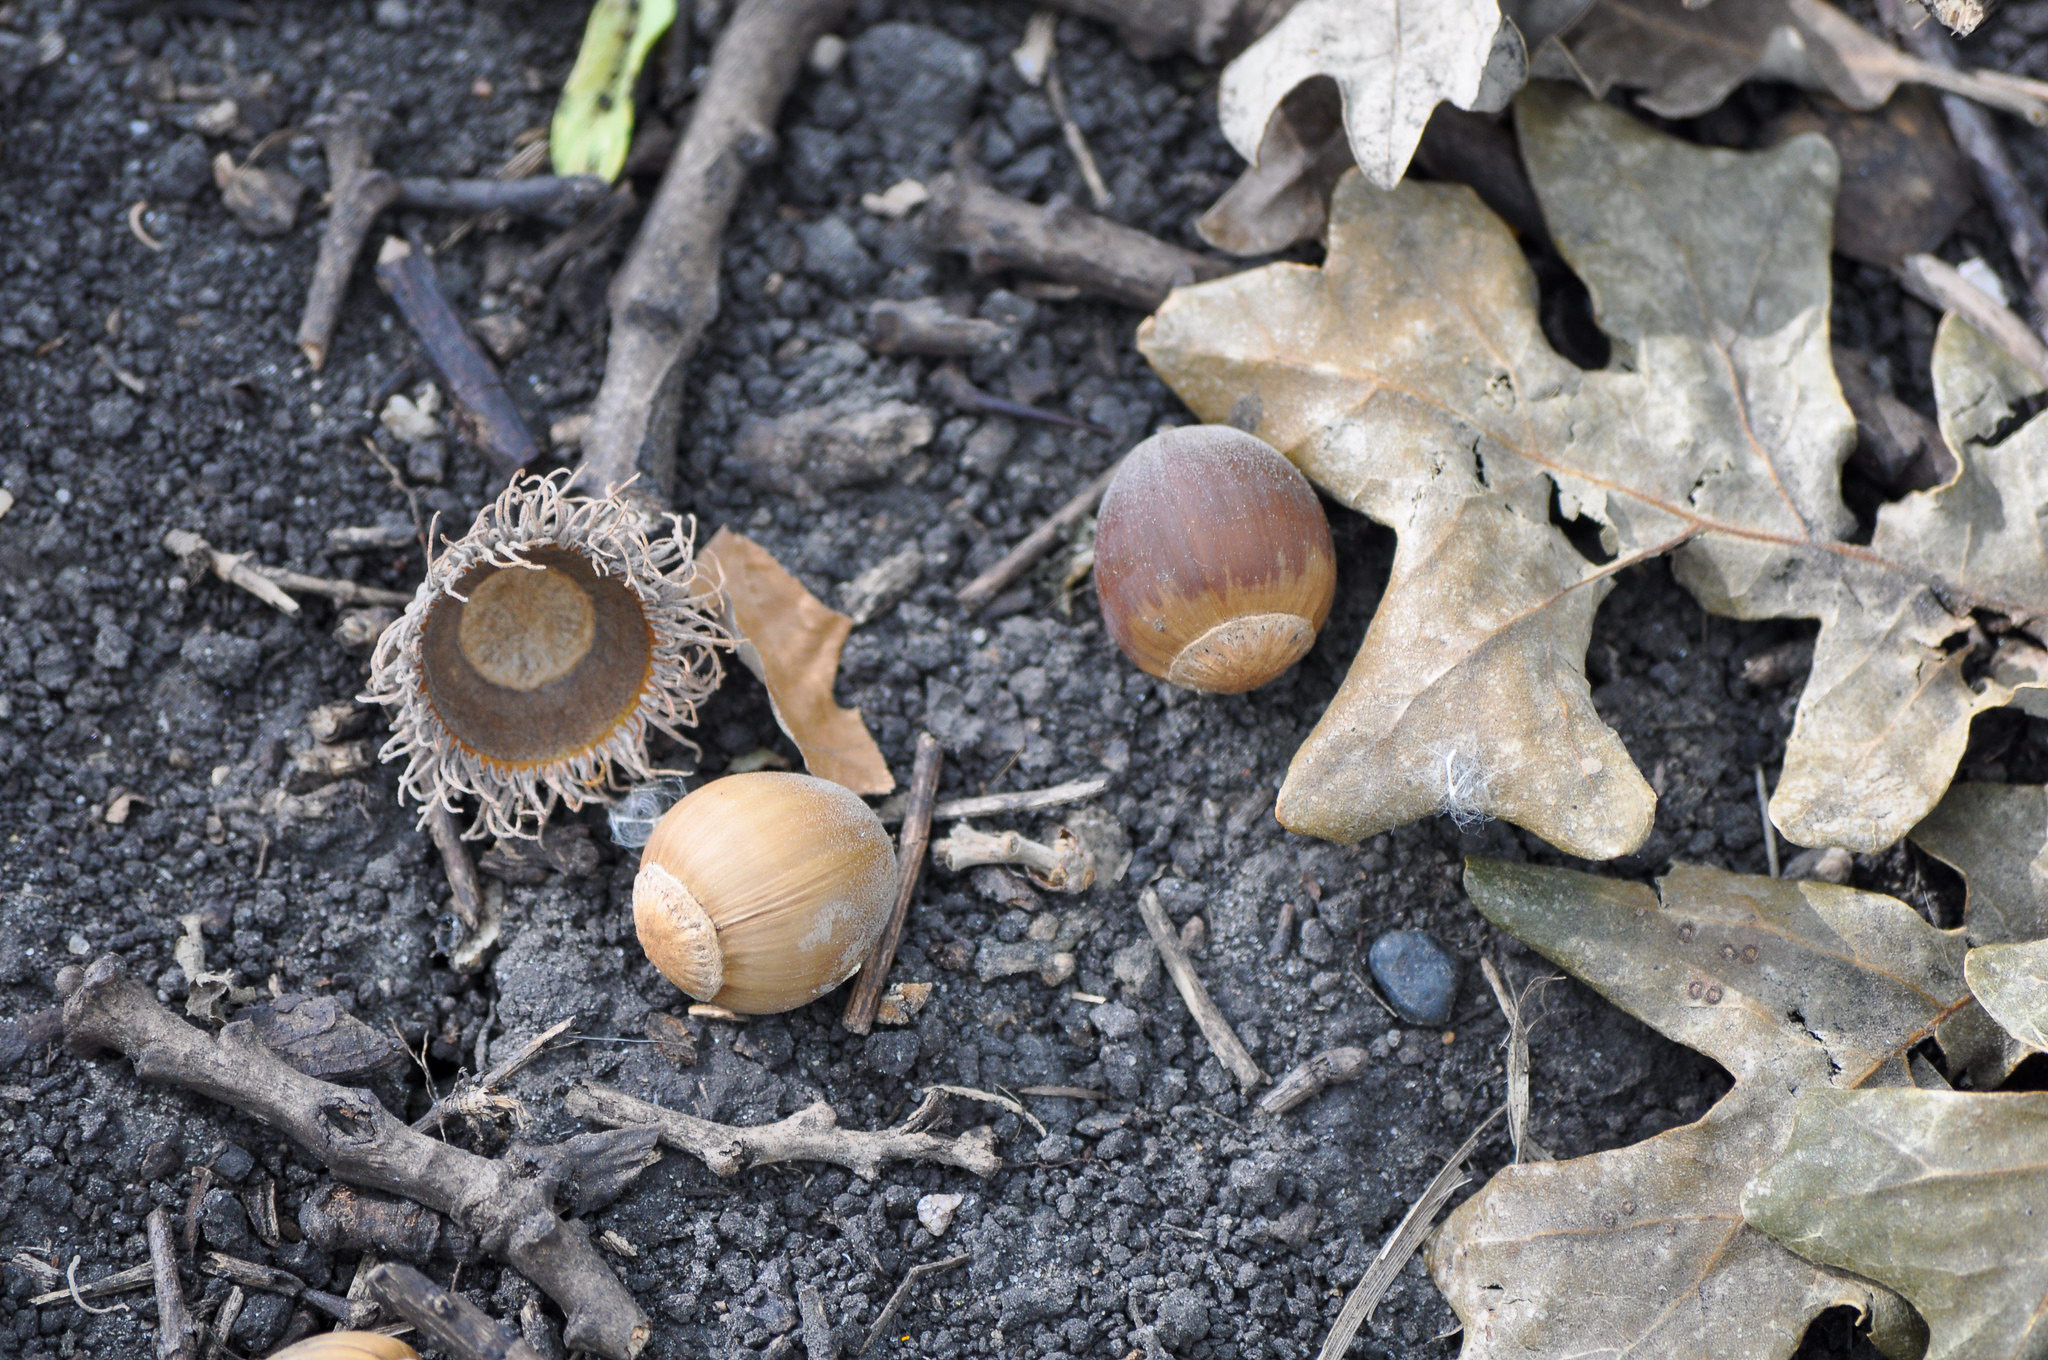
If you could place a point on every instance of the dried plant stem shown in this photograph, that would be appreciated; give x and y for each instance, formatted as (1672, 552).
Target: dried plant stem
(866, 997)
(272, 585)
(810, 1135)
(1940, 284)
(445, 1317)
(1033, 545)
(667, 293)
(896, 1297)
(359, 192)
(465, 889)
(1223, 1040)
(1312, 1078)
(175, 1337)
(1064, 866)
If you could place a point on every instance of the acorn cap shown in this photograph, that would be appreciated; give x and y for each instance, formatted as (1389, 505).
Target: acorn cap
(1213, 559)
(538, 653)
(762, 892)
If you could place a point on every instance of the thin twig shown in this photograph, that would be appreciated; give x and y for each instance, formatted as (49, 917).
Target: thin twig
(1763, 810)
(1033, 545)
(1070, 132)
(1515, 1008)
(174, 1335)
(949, 382)
(811, 1134)
(445, 1317)
(1022, 800)
(1223, 1040)
(466, 890)
(866, 996)
(542, 196)
(270, 584)
(666, 294)
(359, 192)
(134, 1277)
(1066, 865)
(1407, 1236)
(896, 1297)
(464, 1091)
(1311, 1078)
(484, 406)
(1941, 285)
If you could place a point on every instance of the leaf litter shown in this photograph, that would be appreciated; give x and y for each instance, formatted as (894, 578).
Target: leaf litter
(1410, 379)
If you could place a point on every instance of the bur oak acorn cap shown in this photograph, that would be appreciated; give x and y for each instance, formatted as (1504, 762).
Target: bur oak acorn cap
(539, 653)
(1213, 559)
(761, 892)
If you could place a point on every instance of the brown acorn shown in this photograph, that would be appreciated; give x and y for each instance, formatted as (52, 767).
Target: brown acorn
(762, 892)
(1213, 559)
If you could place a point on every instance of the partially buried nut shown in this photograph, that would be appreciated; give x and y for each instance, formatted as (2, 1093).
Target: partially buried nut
(762, 892)
(1213, 559)
(348, 1346)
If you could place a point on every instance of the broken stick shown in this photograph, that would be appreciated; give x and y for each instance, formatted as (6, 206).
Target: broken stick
(667, 293)
(272, 585)
(866, 997)
(175, 1337)
(1223, 1040)
(1940, 284)
(484, 407)
(542, 196)
(895, 1303)
(1312, 1078)
(1033, 545)
(465, 889)
(445, 1317)
(811, 1134)
(508, 1202)
(358, 192)
(1064, 866)
(1060, 241)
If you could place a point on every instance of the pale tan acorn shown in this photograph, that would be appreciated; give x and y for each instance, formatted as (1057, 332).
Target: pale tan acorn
(762, 892)
(1213, 559)
(348, 1346)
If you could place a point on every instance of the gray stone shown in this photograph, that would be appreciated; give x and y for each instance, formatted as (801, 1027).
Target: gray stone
(113, 417)
(850, 442)
(1183, 1318)
(892, 1053)
(225, 1225)
(1114, 1020)
(918, 87)
(1418, 976)
(834, 254)
(222, 658)
(184, 171)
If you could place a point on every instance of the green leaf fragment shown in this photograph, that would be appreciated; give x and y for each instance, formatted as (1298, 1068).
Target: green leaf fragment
(593, 127)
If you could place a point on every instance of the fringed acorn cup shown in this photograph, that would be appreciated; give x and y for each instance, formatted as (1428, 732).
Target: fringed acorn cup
(538, 653)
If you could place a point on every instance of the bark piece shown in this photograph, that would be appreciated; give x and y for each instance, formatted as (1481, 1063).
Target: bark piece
(1223, 1040)
(865, 999)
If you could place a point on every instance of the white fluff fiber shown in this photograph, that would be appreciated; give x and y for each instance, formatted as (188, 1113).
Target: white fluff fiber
(515, 800)
(1465, 786)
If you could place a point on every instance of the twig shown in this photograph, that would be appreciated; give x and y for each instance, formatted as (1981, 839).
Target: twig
(445, 1317)
(71, 1280)
(1033, 545)
(174, 1334)
(889, 1309)
(1977, 136)
(1941, 285)
(667, 292)
(1020, 800)
(542, 196)
(811, 1134)
(1077, 145)
(1013, 1105)
(1223, 1040)
(134, 1277)
(491, 1080)
(223, 1324)
(596, 226)
(1514, 1007)
(1407, 1236)
(1064, 866)
(271, 1280)
(925, 326)
(915, 836)
(1763, 810)
(487, 412)
(270, 584)
(819, 1342)
(963, 395)
(1061, 241)
(507, 1202)
(466, 890)
(1311, 1078)
(359, 192)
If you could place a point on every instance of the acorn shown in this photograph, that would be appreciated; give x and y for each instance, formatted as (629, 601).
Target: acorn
(540, 652)
(762, 892)
(348, 1346)
(1213, 559)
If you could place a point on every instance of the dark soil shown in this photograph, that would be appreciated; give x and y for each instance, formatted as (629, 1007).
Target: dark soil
(1169, 1205)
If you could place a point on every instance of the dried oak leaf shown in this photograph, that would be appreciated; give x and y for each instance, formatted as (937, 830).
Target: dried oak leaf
(1936, 1194)
(791, 641)
(1686, 60)
(1409, 378)
(1392, 60)
(1996, 837)
(1643, 1250)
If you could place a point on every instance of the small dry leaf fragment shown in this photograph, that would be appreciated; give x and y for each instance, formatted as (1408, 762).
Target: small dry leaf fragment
(1791, 987)
(2011, 983)
(791, 640)
(1392, 60)
(1717, 435)
(1283, 196)
(1996, 837)
(1936, 1194)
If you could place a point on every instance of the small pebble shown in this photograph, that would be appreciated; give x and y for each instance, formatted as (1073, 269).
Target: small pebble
(1418, 976)
(936, 1212)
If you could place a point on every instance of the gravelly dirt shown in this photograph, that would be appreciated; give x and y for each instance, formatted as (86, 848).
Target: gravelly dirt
(1168, 1206)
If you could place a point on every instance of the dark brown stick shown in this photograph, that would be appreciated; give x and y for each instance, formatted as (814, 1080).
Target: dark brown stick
(1223, 1040)
(1311, 1078)
(1059, 240)
(223, 1324)
(1978, 137)
(1033, 545)
(667, 292)
(889, 1309)
(271, 1280)
(542, 196)
(950, 383)
(488, 414)
(926, 327)
(446, 1318)
(917, 834)
(465, 889)
(175, 1338)
(507, 1202)
(357, 193)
